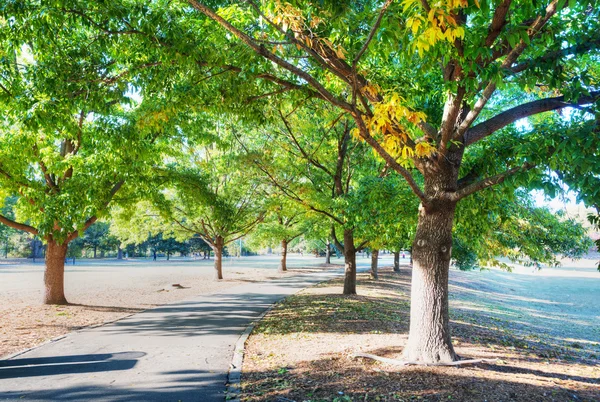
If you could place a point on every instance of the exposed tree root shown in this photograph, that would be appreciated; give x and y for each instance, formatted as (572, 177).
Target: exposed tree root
(408, 363)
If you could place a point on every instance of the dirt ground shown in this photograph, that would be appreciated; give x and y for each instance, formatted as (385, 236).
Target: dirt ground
(541, 327)
(105, 290)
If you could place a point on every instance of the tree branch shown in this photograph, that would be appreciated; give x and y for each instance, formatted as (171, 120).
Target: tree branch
(509, 116)
(261, 51)
(16, 225)
(309, 158)
(512, 56)
(587, 45)
(336, 242)
(498, 22)
(374, 29)
(488, 182)
(392, 162)
(94, 218)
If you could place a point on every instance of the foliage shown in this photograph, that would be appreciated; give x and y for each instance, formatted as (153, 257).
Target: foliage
(71, 135)
(385, 213)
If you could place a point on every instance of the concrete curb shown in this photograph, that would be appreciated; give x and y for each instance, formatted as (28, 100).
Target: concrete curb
(234, 376)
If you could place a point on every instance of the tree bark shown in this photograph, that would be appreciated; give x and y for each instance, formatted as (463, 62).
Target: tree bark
(396, 261)
(283, 262)
(328, 252)
(218, 249)
(374, 261)
(350, 263)
(119, 253)
(429, 337)
(54, 275)
(95, 249)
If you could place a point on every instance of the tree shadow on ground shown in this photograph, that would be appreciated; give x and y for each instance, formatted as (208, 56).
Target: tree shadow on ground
(73, 364)
(335, 378)
(188, 386)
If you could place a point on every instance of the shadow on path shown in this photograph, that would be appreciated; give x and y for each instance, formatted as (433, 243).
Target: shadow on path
(46, 366)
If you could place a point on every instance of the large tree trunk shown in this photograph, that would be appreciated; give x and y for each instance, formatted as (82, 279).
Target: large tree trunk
(429, 338)
(396, 261)
(218, 249)
(350, 263)
(119, 253)
(283, 262)
(374, 261)
(95, 250)
(54, 275)
(328, 252)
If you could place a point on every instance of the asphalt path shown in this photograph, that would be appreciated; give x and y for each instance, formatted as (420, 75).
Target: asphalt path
(177, 352)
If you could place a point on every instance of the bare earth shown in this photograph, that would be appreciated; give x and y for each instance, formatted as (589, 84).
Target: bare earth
(105, 290)
(542, 327)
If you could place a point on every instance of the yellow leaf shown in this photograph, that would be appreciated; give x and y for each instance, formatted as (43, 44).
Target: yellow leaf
(407, 152)
(423, 149)
(355, 132)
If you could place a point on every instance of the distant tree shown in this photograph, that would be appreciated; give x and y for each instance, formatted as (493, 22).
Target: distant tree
(98, 236)
(212, 197)
(284, 222)
(313, 161)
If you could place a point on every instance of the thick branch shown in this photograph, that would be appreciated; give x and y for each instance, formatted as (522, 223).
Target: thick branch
(16, 225)
(509, 116)
(261, 50)
(498, 22)
(488, 182)
(510, 59)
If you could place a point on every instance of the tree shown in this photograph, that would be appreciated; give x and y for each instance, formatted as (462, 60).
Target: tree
(284, 222)
(98, 236)
(386, 215)
(314, 162)
(429, 93)
(212, 196)
(71, 135)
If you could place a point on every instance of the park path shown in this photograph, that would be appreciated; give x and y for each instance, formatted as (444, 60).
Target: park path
(177, 352)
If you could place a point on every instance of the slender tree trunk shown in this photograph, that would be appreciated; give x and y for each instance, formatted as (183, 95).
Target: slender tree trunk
(328, 252)
(218, 249)
(95, 252)
(283, 262)
(396, 261)
(374, 261)
(350, 263)
(119, 253)
(54, 275)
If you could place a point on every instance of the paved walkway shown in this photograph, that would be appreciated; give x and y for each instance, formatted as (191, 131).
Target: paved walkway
(178, 352)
